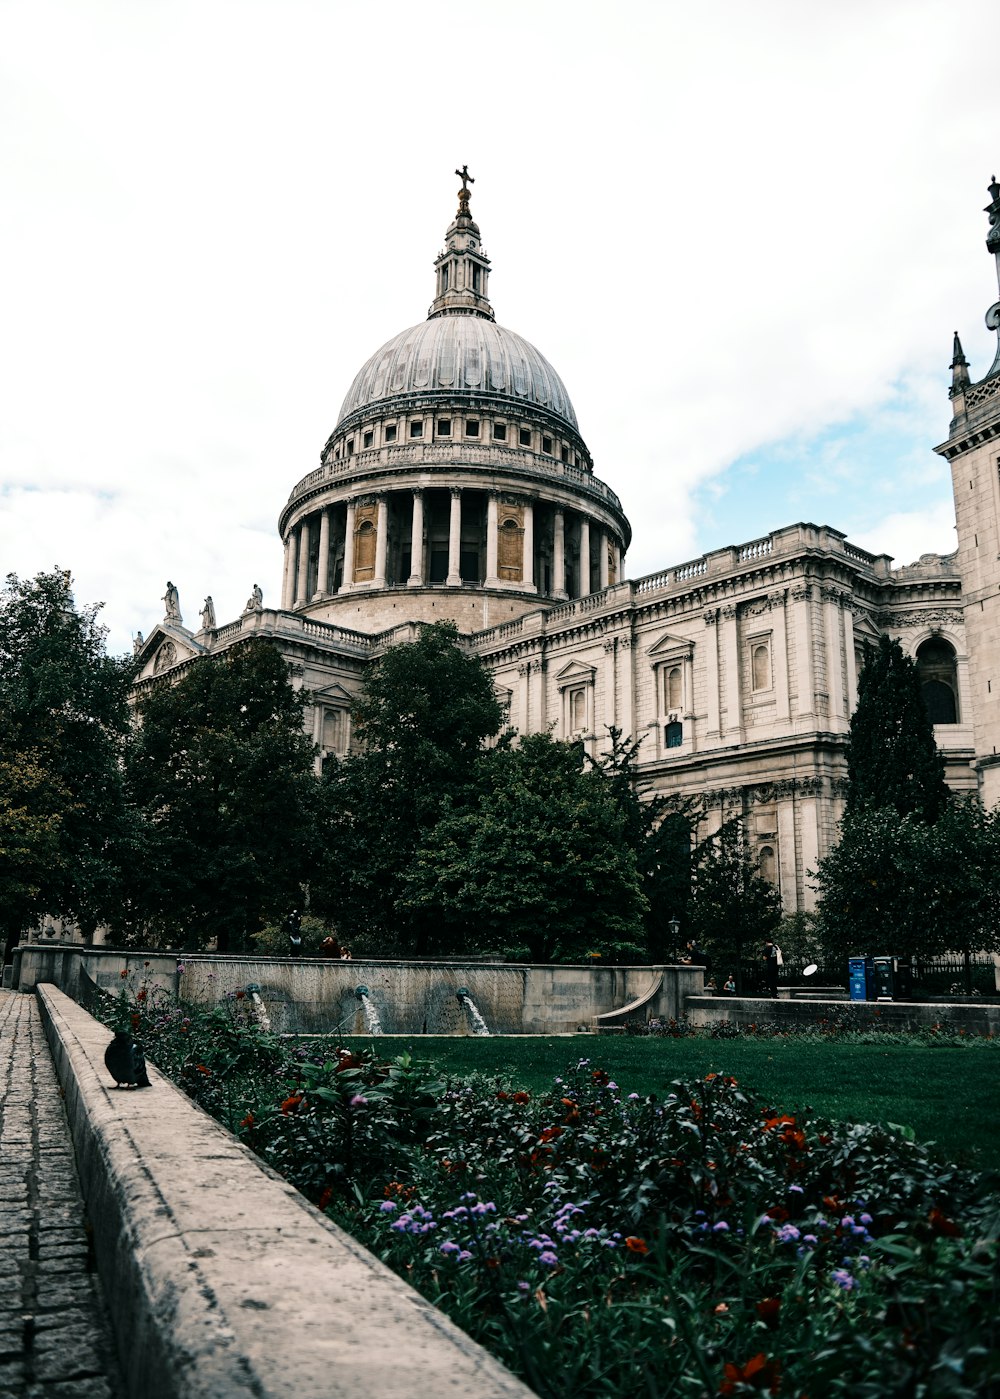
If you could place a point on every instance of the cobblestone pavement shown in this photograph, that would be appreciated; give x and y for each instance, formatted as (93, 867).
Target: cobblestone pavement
(55, 1341)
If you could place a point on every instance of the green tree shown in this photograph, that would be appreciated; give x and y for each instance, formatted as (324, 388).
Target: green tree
(894, 884)
(424, 718)
(66, 833)
(222, 775)
(892, 758)
(734, 907)
(660, 830)
(541, 867)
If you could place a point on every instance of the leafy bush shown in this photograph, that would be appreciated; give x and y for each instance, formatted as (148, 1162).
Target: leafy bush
(601, 1244)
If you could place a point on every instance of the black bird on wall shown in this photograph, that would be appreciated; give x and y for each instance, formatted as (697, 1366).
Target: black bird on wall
(125, 1062)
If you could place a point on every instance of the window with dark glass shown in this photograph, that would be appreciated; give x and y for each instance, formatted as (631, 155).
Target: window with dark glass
(500, 432)
(444, 427)
(524, 436)
(368, 439)
(547, 445)
(674, 734)
(390, 432)
(472, 427)
(938, 675)
(350, 446)
(416, 428)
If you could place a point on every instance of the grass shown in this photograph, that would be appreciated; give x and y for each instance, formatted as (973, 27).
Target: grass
(947, 1095)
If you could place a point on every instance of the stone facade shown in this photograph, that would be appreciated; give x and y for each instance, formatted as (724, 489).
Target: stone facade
(456, 485)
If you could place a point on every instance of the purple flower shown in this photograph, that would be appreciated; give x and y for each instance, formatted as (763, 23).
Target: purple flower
(524, 1287)
(810, 1239)
(450, 1247)
(612, 1087)
(548, 1258)
(795, 1190)
(865, 1218)
(721, 1228)
(843, 1279)
(359, 1101)
(464, 1256)
(388, 1206)
(787, 1234)
(633, 1097)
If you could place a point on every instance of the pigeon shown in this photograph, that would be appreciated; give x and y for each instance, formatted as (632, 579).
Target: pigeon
(125, 1062)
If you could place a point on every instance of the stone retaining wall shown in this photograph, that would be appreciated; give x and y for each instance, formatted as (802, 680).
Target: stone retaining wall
(222, 1281)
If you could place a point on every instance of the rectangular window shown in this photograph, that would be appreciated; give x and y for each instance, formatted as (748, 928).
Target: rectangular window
(477, 273)
(444, 427)
(565, 454)
(416, 428)
(390, 432)
(524, 436)
(368, 439)
(547, 445)
(350, 446)
(444, 276)
(500, 432)
(472, 427)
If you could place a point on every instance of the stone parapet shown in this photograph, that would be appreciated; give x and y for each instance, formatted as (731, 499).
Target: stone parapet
(221, 1279)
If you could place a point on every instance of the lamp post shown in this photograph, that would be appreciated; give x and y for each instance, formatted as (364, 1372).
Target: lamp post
(675, 926)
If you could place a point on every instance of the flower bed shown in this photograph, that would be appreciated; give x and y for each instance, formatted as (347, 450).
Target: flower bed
(603, 1244)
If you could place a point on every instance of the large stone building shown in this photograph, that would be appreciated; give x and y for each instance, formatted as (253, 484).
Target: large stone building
(456, 484)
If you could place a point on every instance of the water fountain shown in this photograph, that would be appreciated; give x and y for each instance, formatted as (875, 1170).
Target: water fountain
(476, 1021)
(260, 1009)
(371, 1015)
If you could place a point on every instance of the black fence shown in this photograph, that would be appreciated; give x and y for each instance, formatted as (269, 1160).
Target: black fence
(940, 976)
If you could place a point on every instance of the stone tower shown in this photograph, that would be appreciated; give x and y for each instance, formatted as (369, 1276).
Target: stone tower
(973, 450)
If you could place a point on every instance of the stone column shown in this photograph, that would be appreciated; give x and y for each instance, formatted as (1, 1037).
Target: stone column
(834, 668)
(455, 539)
(850, 660)
(617, 551)
(302, 581)
(288, 576)
(584, 556)
(539, 707)
(492, 540)
(626, 684)
(802, 622)
(347, 583)
(713, 721)
(528, 559)
(559, 555)
(602, 559)
(416, 577)
(523, 696)
(779, 655)
(323, 572)
(729, 645)
(610, 715)
(381, 541)
(787, 873)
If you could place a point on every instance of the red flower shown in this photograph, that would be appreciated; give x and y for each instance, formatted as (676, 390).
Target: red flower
(521, 1096)
(325, 1198)
(767, 1309)
(203, 1070)
(778, 1213)
(599, 1076)
(241, 995)
(291, 1104)
(141, 995)
(636, 1245)
(124, 972)
(941, 1224)
(550, 1134)
(248, 1120)
(502, 1096)
(757, 1372)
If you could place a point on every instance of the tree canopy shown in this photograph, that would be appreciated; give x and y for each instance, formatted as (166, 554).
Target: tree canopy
(65, 828)
(222, 775)
(540, 868)
(892, 758)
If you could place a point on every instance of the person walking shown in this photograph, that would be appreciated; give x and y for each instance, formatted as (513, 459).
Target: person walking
(772, 961)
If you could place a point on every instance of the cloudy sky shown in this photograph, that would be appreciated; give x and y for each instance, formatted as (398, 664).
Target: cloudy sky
(742, 232)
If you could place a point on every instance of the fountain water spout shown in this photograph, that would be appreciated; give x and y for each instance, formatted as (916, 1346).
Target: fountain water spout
(260, 1010)
(371, 1015)
(476, 1022)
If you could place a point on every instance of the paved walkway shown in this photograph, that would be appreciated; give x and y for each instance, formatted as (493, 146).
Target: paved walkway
(55, 1341)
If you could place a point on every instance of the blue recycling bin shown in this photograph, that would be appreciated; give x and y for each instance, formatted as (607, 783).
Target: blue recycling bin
(860, 978)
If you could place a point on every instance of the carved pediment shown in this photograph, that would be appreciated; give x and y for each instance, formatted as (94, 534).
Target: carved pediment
(334, 694)
(164, 648)
(575, 673)
(669, 647)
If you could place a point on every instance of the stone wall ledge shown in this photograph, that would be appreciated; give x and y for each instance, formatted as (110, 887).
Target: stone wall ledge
(220, 1278)
(975, 1018)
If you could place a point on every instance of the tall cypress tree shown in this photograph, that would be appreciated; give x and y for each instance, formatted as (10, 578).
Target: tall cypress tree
(892, 759)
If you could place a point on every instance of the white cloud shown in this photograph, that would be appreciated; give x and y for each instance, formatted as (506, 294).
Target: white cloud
(731, 229)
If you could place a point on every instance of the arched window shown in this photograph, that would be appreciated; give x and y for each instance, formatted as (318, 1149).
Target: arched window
(674, 734)
(673, 688)
(938, 676)
(577, 710)
(509, 551)
(761, 660)
(768, 868)
(364, 552)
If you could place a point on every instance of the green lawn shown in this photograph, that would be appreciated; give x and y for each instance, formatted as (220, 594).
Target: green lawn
(950, 1096)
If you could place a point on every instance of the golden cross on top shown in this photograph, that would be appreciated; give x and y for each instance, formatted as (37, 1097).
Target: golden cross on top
(466, 178)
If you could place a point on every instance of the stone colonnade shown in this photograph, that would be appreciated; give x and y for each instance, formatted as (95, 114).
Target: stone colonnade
(447, 535)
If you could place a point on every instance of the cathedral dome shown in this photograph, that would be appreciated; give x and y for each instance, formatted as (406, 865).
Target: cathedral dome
(457, 353)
